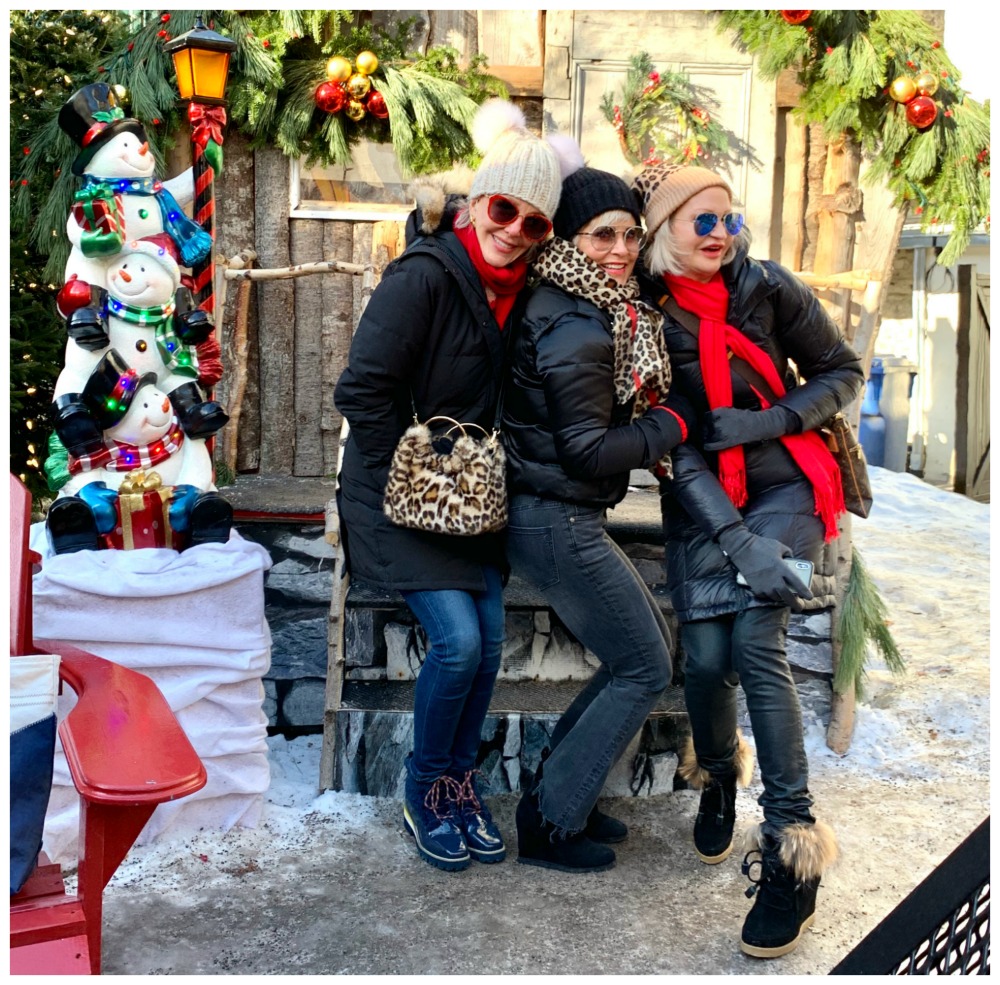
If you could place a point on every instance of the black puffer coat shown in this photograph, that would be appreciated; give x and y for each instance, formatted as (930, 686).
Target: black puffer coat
(565, 436)
(782, 316)
(427, 332)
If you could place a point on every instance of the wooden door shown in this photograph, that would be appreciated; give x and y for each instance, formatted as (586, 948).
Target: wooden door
(972, 427)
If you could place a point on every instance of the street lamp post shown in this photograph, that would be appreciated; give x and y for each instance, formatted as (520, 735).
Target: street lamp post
(201, 61)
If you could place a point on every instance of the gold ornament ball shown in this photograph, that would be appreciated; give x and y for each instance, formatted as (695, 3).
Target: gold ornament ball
(358, 85)
(926, 83)
(354, 110)
(122, 94)
(366, 62)
(903, 89)
(338, 69)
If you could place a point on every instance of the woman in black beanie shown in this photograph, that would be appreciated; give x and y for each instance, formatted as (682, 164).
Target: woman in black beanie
(584, 405)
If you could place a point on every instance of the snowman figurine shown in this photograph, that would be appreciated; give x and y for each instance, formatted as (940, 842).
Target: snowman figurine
(138, 318)
(121, 199)
(145, 453)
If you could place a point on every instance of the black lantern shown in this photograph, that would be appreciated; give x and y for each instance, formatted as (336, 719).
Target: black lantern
(201, 60)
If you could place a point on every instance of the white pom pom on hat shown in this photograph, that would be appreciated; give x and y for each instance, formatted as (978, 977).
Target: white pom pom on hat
(494, 118)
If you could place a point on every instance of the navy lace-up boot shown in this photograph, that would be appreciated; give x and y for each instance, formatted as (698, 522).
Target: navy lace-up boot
(429, 816)
(482, 836)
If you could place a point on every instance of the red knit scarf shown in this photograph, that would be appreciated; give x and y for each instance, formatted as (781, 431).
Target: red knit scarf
(716, 340)
(504, 282)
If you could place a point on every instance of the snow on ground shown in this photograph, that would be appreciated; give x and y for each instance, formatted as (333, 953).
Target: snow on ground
(329, 884)
(928, 551)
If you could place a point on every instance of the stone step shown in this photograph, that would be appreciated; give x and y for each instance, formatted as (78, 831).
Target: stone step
(518, 594)
(544, 698)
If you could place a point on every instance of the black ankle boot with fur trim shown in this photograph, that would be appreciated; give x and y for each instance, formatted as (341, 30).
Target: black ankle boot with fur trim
(785, 874)
(716, 820)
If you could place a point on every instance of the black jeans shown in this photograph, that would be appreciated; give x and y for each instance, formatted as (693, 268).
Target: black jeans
(748, 648)
(595, 590)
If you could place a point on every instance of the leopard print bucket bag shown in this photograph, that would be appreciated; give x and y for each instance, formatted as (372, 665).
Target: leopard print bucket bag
(448, 480)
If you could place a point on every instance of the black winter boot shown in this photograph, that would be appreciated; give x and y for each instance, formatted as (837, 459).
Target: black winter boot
(199, 417)
(784, 875)
(604, 829)
(716, 820)
(539, 842)
(71, 526)
(77, 428)
(211, 520)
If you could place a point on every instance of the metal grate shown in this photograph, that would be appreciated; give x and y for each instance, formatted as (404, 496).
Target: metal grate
(942, 927)
(959, 946)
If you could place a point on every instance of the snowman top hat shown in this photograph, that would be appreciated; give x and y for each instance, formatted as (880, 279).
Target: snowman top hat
(112, 387)
(162, 249)
(91, 117)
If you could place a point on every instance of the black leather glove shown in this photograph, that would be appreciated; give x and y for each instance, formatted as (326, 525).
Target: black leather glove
(726, 427)
(759, 560)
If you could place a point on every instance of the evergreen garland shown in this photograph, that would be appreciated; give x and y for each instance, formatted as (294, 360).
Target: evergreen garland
(280, 59)
(665, 112)
(846, 61)
(863, 619)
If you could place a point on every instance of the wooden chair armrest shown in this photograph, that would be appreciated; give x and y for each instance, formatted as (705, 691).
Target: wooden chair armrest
(122, 742)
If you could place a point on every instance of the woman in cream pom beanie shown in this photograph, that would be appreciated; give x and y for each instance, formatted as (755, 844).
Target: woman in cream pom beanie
(754, 487)
(432, 342)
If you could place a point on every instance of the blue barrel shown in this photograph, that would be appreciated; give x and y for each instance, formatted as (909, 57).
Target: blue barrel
(885, 412)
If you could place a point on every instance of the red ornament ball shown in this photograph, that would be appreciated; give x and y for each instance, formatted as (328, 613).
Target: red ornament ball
(165, 18)
(921, 112)
(330, 97)
(375, 104)
(795, 16)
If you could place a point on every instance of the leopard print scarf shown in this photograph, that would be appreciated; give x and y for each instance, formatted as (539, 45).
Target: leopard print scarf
(642, 369)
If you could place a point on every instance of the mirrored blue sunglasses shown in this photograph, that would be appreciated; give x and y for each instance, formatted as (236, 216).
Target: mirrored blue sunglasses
(706, 222)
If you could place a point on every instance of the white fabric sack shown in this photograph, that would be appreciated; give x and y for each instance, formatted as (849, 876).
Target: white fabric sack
(194, 623)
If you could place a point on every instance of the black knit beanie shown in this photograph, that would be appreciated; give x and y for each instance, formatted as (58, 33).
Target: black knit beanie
(587, 193)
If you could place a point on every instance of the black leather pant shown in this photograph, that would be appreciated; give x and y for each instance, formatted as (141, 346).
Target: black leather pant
(748, 648)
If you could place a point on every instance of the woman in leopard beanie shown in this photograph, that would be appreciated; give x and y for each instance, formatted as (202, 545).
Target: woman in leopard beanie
(586, 403)
(753, 486)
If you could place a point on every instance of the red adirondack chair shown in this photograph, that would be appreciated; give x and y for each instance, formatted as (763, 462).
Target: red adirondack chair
(126, 754)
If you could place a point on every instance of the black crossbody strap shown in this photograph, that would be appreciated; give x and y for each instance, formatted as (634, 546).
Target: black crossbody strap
(741, 367)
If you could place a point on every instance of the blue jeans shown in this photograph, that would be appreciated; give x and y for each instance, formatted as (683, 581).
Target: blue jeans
(594, 589)
(465, 632)
(748, 649)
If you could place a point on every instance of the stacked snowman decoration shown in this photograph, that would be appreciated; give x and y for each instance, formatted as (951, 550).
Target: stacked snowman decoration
(131, 419)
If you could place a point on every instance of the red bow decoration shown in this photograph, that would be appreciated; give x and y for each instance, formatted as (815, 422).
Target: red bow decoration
(206, 122)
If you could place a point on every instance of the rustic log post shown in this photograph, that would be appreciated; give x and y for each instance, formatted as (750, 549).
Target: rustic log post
(387, 243)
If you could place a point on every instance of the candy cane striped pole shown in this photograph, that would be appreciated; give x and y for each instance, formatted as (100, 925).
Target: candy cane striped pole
(203, 273)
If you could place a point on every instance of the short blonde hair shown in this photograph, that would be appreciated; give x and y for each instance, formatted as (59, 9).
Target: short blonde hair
(663, 256)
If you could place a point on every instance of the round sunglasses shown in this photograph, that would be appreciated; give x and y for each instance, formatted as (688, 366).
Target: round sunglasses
(503, 212)
(705, 222)
(603, 239)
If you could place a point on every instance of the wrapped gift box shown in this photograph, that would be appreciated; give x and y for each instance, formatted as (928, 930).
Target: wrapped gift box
(143, 509)
(98, 212)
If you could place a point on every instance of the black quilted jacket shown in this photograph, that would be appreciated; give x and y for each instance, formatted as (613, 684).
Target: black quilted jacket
(565, 436)
(782, 316)
(427, 332)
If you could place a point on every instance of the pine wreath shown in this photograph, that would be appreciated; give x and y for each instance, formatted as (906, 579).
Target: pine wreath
(662, 117)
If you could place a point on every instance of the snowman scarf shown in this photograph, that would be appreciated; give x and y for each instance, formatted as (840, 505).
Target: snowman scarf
(176, 356)
(119, 456)
(193, 243)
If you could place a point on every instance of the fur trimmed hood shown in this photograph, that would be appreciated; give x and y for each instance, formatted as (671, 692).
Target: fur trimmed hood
(439, 196)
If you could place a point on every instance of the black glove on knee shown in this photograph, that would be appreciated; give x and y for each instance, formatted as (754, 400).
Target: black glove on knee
(759, 560)
(725, 427)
